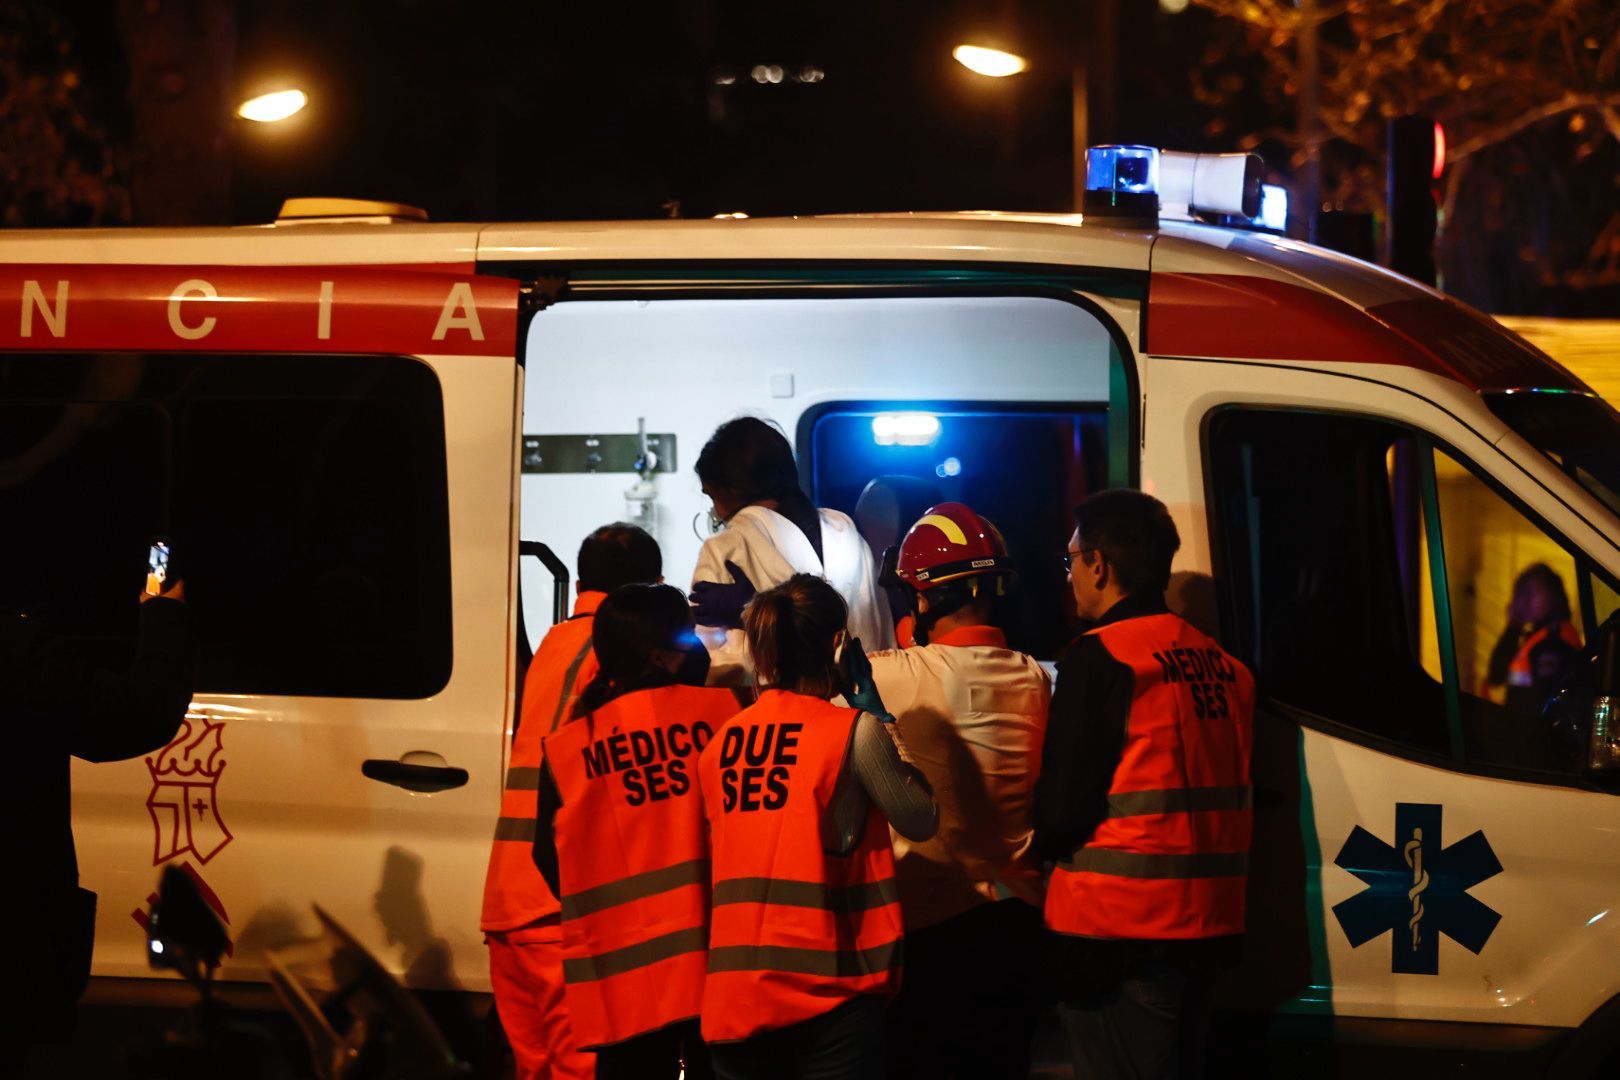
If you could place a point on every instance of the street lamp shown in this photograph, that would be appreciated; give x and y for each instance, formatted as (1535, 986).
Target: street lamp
(998, 64)
(273, 107)
(994, 63)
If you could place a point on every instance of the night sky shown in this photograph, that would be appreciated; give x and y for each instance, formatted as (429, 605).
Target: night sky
(485, 110)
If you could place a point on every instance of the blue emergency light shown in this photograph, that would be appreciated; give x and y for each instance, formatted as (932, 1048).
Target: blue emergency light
(1122, 181)
(1273, 208)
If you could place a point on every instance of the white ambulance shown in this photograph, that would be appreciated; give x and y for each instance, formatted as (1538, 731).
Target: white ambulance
(348, 421)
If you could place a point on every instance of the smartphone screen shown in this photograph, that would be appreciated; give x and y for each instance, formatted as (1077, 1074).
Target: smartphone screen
(157, 567)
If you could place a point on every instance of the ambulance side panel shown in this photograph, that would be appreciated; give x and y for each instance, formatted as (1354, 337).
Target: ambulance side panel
(1515, 946)
(377, 807)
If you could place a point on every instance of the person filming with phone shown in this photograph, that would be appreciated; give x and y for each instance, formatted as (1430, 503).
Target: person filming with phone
(60, 701)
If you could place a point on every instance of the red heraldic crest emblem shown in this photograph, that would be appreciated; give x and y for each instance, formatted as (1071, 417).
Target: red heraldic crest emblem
(184, 802)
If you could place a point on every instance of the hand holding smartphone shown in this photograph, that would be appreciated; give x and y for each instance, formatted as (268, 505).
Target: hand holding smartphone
(159, 579)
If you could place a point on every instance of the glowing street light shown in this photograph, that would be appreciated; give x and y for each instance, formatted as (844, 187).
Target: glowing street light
(994, 63)
(270, 108)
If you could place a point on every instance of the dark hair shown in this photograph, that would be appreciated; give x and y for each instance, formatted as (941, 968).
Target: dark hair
(618, 554)
(631, 623)
(1134, 532)
(752, 461)
(1545, 576)
(791, 633)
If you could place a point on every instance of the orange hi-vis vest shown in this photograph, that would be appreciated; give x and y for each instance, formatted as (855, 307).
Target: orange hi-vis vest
(515, 895)
(1171, 859)
(794, 931)
(632, 858)
(1519, 670)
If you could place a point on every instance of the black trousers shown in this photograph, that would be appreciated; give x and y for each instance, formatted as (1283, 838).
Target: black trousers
(1152, 1024)
(844, 1044)
(970, 996)
(657, 1055)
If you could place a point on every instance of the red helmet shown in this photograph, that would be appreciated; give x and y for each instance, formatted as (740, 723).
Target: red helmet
(949, 542)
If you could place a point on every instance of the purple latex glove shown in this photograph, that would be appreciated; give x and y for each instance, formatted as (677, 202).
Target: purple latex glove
(716, 603)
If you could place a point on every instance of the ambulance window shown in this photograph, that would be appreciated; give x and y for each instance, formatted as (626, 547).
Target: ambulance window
(1605, 598)
(312, 493)
(885, 483)
(1376, 582)
(1579, 433)
(305, 497)
(1323, 579)
(1517, 624)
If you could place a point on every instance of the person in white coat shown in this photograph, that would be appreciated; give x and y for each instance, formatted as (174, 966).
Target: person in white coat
(772, 531)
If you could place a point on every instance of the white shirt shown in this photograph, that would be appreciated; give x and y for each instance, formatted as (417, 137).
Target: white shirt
(973, 715)
(770, 549)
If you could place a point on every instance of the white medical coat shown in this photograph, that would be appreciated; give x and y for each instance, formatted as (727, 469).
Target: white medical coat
(770, 549)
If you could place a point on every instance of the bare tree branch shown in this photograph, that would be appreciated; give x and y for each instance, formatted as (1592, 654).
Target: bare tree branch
(1571, 103)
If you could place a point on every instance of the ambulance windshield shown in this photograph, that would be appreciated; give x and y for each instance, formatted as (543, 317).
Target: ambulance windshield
(1580, 433)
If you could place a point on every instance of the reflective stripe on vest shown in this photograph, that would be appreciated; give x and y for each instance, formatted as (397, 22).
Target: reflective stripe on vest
(831, 964)
(631, 856)
(1145, 865)
(795, 932)
(515, 895)
(1177, 801)
(806, 894)
(635, 887)
(572, 681)
(1171, 858)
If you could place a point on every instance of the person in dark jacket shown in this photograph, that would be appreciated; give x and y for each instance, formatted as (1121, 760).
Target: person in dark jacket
(1540, 650)
(56, 703)
(1142, 803)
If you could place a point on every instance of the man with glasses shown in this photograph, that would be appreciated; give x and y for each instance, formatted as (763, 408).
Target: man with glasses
(1142, 804)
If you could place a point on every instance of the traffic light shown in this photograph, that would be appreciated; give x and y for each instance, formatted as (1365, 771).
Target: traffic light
(1416, 156)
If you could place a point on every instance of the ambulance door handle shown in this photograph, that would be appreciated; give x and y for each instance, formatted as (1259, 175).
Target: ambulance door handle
(416, 775)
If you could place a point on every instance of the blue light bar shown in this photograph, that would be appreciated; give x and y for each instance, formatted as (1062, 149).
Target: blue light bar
(1133, 170)
(1273, 208)
(1122, 182)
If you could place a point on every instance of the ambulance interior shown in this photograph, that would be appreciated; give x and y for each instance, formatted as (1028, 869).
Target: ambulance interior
(1001, 402)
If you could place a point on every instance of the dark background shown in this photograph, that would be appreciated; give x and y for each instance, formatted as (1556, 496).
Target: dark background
(506, 110)
(121, 111)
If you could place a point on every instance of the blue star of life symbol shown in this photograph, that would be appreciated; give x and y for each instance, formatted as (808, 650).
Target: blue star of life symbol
(1417, 890)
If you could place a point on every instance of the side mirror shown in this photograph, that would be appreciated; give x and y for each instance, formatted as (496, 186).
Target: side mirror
(1603, 746)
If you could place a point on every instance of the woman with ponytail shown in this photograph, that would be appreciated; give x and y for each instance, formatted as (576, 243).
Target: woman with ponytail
(620, 838)
(805, 931)
(773, 531)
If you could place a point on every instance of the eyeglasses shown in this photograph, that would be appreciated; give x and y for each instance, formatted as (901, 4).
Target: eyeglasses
(1068, 557)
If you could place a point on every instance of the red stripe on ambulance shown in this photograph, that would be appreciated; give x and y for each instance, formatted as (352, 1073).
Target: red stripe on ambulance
(256, 309)
(1245, 317)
